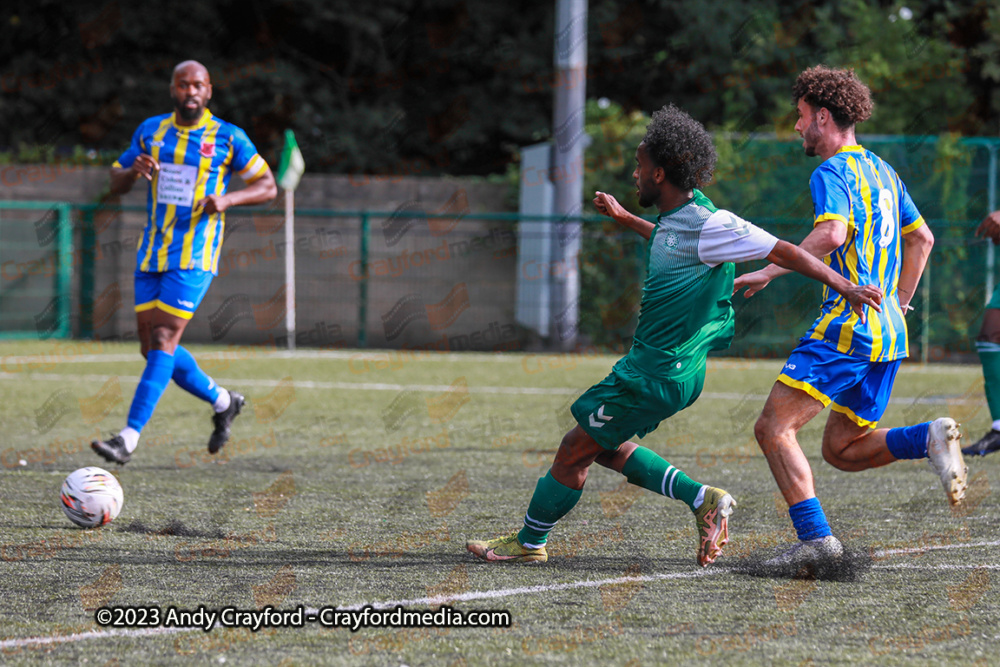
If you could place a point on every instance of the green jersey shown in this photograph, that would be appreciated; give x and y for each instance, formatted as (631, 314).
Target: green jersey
(686, 307)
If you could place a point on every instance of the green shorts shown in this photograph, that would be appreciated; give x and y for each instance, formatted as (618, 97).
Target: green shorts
(995, 299)
(626, 403)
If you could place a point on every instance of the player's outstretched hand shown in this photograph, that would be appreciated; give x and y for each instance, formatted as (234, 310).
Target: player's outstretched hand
(607, 205)
(145, 166)
(990, 227)
(860, 296)
(213, 204)
(754, 282)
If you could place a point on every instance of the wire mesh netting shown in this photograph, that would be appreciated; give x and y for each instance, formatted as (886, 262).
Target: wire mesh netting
(443, 278)
(35, 266)
(766, 181)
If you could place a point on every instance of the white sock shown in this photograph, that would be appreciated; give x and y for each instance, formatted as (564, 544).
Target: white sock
(996, 425)
(222, 402)
(131, 438)
(700, 498)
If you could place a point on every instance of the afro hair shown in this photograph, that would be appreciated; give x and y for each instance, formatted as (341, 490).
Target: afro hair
(681, 146)
(838, 90)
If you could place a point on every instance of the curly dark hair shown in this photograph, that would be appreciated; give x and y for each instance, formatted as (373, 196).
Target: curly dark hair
(838, 90)
(681, 146)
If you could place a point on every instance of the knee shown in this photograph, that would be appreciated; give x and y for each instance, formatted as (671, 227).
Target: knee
(568, 440)
(615, 460)
(832, 457)
(763, 430)
(832, 454)
(568, 451)
(576, 452)
(161, 338)
(772, 435)
(989, 332)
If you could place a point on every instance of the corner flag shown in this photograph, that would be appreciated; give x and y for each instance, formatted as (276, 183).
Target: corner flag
(292, 165)
(289, 173)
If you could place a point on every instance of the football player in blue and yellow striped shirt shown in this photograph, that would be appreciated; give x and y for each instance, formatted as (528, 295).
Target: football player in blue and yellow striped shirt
(867, 228)
(187, 157)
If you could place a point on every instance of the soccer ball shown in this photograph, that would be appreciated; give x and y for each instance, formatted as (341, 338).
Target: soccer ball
(91, 497)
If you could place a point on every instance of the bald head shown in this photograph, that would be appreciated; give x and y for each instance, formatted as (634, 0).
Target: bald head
(190, 66)
(191, 89)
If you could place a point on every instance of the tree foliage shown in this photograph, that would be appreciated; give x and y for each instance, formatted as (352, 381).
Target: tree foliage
(456, 86)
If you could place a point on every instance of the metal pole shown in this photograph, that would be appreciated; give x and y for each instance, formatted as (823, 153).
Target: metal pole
(290, 267)
(363, 284)
(925, 315)
(991, 195)
(567, 122)
(65, 277)
(88, 246)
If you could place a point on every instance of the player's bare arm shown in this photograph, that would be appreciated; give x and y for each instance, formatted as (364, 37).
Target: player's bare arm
(261, 190)
(989, 228)
(916, 249)
(123, 178)
(825, 237)
(793, 258)
(607, 205)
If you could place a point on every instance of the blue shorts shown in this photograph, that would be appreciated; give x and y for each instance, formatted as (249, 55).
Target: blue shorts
(176, 292)
(856, 387)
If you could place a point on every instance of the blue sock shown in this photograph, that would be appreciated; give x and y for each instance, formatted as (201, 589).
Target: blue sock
(809, 519)
(159, 368)
(908, 442)
(191, 378)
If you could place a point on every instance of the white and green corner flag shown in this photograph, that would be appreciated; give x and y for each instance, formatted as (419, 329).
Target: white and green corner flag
(292, 165)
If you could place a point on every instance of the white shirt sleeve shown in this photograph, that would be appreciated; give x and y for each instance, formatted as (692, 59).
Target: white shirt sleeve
(726, 237)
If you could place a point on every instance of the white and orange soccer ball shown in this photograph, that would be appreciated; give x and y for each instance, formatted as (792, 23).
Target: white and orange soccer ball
(91, 497)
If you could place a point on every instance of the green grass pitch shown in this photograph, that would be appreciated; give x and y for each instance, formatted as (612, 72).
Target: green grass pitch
(355, 478)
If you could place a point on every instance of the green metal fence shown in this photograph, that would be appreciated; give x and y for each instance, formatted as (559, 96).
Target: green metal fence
(352, 273)
(36, 269)
(412, 279)
(946, 318)
(953, 181)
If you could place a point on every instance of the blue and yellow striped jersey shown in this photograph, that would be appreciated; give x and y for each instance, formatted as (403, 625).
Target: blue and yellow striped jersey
(861, 190)
(195, 161)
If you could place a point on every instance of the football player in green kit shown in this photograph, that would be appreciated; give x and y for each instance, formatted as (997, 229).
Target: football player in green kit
(685, 312)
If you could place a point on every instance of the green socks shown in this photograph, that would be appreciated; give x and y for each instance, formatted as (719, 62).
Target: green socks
(550, 502)
(989, 356)
(649, 470)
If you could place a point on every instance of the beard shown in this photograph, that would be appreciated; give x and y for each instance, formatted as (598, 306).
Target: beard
(186, 113)
(646, 199)
(809, 139)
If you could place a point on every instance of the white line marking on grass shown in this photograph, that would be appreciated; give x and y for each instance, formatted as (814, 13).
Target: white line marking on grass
(439, 388)
(308, 384)
(945, 566)
(94, 634)
(497, 594)
(526, 590)
(437, 600)
(935, 547)
(58, 359)
(248, 352)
